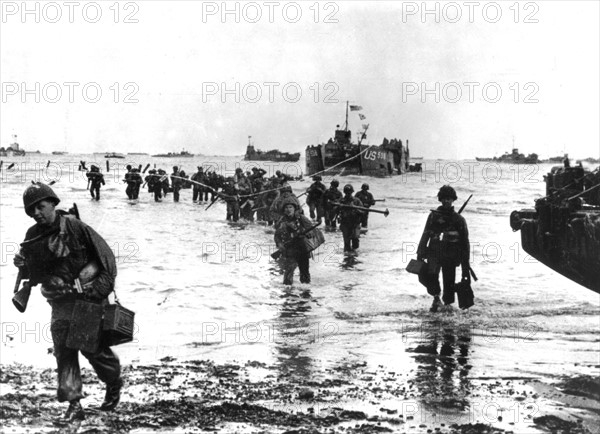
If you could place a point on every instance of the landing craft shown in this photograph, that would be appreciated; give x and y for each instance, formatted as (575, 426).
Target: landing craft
(563, 231)
(340, 156)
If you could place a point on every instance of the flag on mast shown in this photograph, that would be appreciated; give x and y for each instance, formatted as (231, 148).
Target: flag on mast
(355, 108)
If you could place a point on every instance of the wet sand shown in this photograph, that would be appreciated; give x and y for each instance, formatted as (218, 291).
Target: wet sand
(252, 397)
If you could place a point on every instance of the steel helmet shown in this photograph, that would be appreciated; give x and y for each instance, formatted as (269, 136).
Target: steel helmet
(446, 192)
(365, 186)
(289, 201)
(335, 183)
(36, 193)
(348, 188)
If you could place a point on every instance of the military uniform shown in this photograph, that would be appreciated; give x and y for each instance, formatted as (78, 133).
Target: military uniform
(288, 239)
(54, 255)
(96, 180)
(331, 195)
(314, 199)
(176, 183)
(368, 201)
(445, 245)
(350, 221)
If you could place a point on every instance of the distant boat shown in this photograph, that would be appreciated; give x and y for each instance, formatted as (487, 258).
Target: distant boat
(59, 152)
(272, 155)
(113, 155)
(514, 157)
(591, 160)
(13, 150)
(181, 154)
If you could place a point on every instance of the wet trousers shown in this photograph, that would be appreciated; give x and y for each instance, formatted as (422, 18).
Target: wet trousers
(233, 210)
(289, 264)
(95, 192)
(104, 361)
(351, 236)
(364, 220)
(176, 193)
(330, 217)
(448, 279)
(316, 206)
(157, 194)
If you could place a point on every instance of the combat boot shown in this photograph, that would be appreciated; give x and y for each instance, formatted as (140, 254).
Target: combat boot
(113, 396)
(437, 303)
(74, 412)
(304, 278)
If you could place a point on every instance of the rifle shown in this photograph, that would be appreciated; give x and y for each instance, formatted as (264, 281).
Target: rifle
(459, 211)
(146, 168)
(277, 253)
(213, 201)
(464, 205)
(300, 195)
(362, 208)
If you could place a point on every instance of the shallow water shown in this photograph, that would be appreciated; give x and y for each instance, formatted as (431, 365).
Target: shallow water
(204, 289)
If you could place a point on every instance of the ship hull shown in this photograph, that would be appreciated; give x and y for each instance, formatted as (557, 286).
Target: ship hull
(368, 161)
(292, 158)
(562, 232)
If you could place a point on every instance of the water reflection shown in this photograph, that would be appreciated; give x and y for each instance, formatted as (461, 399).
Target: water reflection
(442, 354)
(294, 333)
(349, 261)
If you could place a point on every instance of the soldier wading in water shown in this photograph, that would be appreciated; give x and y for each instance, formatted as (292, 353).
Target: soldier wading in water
(56, 249)
(445, 246)
(288, 238)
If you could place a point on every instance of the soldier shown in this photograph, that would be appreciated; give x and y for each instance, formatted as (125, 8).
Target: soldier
(95, 179)
(135, 180)
(164, 181)
(129, 189)
(176, 183)
(331, 195)
(350, 219)
(314, 198)
(154, 185)
(197, 189)
(54, 252)
(445, 245)
(367, 200)
(288, 238)
(285, 193)
(231, 197)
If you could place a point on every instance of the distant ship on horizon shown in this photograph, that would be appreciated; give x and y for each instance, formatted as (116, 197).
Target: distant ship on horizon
(183, 153)
(272, 155)
(13, 150)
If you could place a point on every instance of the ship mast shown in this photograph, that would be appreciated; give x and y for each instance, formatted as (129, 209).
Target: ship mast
(346, 124)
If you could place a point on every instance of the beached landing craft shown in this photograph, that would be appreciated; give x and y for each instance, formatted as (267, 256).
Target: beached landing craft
(340, 156)
(563, 231)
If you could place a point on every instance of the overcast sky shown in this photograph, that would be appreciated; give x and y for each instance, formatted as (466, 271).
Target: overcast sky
(182, 66)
